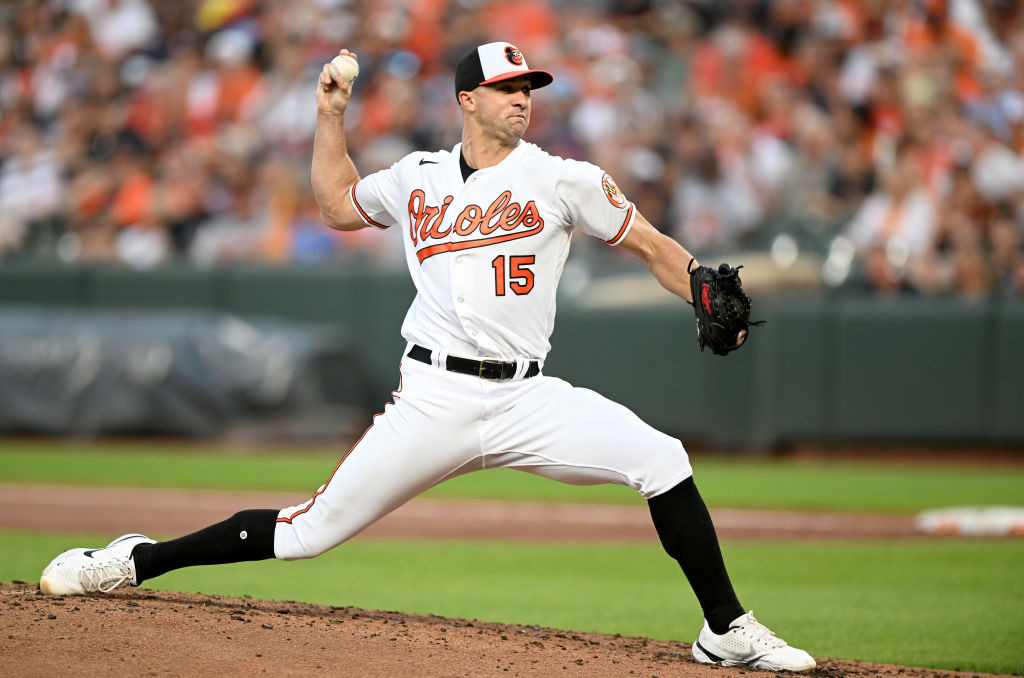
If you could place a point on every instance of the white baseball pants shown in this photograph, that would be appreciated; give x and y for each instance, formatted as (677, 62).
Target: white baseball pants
(443, 424)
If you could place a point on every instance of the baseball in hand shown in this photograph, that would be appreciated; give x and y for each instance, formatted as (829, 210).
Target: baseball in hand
(343, 67)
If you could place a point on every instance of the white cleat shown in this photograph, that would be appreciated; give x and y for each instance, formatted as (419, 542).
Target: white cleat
(80, 571)
(749, 643)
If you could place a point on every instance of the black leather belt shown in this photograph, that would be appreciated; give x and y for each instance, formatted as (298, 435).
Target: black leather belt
(492, 370)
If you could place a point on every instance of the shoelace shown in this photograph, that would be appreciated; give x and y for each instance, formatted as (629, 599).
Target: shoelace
(105, 578)
(758, 631)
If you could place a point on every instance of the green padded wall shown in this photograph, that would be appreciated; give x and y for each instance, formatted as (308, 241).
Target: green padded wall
(822, 369)
(167, 287)
(912, 369)
(42, 285)
(1005, 420)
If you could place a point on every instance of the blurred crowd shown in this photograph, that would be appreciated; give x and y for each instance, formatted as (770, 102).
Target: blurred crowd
(885, 137)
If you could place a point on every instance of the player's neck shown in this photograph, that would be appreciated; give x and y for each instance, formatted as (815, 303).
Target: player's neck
(481, 152)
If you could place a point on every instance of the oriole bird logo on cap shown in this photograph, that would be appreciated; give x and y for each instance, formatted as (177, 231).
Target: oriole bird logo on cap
(514, 56)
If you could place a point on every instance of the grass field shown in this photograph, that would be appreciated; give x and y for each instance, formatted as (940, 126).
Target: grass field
(953, 604)
(739, 483)
(922, 604)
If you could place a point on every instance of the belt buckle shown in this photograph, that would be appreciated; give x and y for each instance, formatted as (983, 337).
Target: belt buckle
(496, 365)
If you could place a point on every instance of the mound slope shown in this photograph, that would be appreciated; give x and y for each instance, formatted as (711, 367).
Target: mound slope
(162, 633)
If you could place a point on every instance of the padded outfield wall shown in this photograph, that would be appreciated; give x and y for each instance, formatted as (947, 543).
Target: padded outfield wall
(824, 369)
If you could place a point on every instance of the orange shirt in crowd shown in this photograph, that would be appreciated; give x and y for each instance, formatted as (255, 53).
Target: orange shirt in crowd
(132, 200)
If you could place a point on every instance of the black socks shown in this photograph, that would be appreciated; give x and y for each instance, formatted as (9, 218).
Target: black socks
(247, 535)
(688, 535)
(680, 517)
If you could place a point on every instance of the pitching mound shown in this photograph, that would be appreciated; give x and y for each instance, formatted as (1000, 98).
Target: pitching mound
(144, 633)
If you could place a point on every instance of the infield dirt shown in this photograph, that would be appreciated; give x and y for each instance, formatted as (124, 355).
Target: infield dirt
(169, 512)
(146, 633)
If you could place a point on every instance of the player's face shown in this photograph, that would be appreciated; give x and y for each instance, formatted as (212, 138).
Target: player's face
(504, 109)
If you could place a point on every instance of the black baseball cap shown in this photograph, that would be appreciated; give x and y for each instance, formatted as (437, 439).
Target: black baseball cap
(494, 62)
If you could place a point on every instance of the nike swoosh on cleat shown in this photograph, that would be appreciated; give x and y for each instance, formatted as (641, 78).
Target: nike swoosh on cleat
(713, 657)
(424, 161)
(124, 538)
(88, 554)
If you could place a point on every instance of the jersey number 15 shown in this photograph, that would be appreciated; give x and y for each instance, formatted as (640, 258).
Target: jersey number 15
(520, 278)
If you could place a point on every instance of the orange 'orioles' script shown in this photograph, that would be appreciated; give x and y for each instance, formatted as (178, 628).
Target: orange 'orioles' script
(502, 221)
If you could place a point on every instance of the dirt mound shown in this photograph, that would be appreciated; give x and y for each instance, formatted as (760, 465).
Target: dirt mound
(146, 633)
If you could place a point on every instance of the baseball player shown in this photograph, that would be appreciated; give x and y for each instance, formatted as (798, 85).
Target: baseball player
(486, 227)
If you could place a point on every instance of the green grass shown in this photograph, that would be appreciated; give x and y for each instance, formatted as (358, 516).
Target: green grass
(742, 483)
(943, 604)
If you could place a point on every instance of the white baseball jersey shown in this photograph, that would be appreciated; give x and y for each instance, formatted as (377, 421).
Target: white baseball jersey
(486, 253)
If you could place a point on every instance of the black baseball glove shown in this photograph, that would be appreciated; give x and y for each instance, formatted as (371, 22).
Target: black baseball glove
(721, 306)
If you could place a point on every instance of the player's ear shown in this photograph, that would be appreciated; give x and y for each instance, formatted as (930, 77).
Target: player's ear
(467, 100)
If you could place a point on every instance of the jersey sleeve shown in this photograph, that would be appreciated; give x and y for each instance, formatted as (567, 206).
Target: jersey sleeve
(375, 198)
(594, 203)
